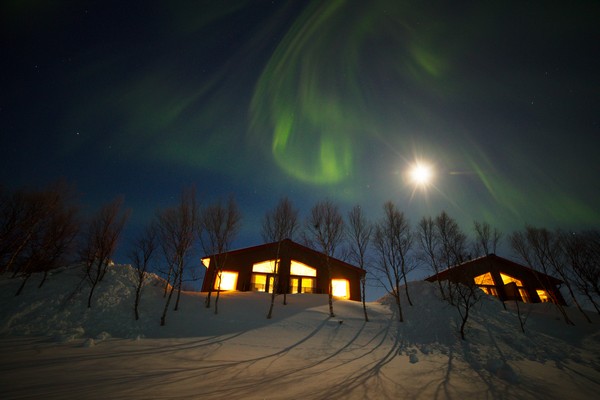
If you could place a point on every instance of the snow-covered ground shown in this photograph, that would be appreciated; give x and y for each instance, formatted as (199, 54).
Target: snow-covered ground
(53, 347)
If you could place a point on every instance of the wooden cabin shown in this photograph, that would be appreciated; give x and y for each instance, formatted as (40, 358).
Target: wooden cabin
(286, 267)
(505, 279)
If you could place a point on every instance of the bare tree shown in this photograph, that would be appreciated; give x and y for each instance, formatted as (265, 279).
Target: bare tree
(279, 224)
(452, 240)
(533, 247)
(141, 255)
(485, 243)
(522, 317)
(486, 239)
(10, 209)
(583, 252)
(359, 237)
(429, 243)
(324, 232)
(22, 214)
(442, 244)
(452, 243)
(100, 241)
(558, 259)
(51, 244)
(464, 295)
(393, 241)
(219, 224)
(177, 230)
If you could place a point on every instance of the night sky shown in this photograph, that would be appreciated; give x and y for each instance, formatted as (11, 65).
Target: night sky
(312, 100)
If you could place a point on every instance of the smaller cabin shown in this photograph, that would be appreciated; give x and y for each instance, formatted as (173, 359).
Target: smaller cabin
(505, 279)
(283, 267)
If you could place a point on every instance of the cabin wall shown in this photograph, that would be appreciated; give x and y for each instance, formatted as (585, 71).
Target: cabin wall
(531, 281)
(242, 261)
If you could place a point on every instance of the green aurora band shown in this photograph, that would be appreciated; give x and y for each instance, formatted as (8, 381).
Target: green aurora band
(318, 102)
(344, 79)
(322, 99)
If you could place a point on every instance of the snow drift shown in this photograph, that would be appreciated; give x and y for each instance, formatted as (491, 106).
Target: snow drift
(55, 347)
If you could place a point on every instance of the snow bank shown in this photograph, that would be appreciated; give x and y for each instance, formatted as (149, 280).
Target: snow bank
(299, 352)
(59, 308)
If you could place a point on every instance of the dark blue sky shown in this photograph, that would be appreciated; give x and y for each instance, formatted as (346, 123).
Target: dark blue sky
(309, 100)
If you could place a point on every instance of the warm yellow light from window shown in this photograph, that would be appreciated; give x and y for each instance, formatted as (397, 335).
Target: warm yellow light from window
(294, 285)
(206, 261)
(543, 295)
(340, 288)
(228, 280)
(259, 282)
(267, 267)
(308, 285)
(490, 291)
(300, 269)
(508, 279)
(484, 279)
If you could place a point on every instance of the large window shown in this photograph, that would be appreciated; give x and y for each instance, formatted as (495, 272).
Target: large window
(298, 268)
(302, 284)
(489, 290)
(259, 282)
(524, 295)
(267, 267)
(302, 278)
(294, 288)
(263, 283)
(340, 288)
(506, 279)
(226, 280)
(486, 283)
(484, 279)
(307, 285)
(263, 276)
(543, 295)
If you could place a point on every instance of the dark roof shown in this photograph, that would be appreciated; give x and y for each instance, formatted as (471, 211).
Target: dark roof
(497, 261)
(290, 244)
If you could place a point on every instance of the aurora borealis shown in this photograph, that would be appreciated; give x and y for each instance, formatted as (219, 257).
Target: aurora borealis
(310, 100)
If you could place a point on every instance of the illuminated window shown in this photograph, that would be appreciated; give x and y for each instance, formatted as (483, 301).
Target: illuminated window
(307, 285)
(206, 261)
(303, 281)
(524, 295)
(259, 282)
(271, 283)
(543, 295)
(490, 290)
(294, 285)
(226, 280)
(302, 285)
(485, 279)
(267, 267)
(340, 288)
(508, 279)
(486, 283)
(298, 268)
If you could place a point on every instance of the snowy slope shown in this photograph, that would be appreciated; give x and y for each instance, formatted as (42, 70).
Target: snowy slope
(54, 347)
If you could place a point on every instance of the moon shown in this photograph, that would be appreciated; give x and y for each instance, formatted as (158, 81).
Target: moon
(421, 174)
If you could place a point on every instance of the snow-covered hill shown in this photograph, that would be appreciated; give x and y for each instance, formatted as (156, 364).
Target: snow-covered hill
(53, 346)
